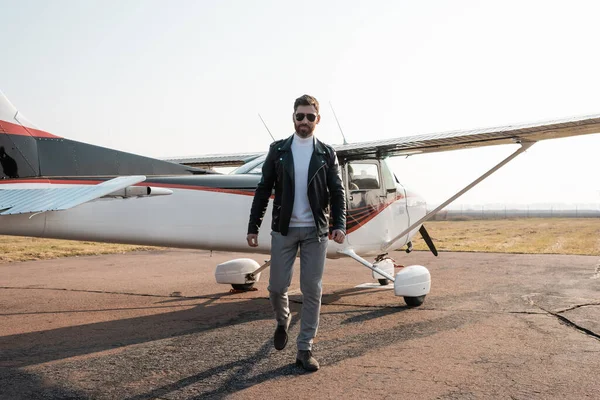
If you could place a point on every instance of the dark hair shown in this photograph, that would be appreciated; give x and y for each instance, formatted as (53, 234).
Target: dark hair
(306, 100)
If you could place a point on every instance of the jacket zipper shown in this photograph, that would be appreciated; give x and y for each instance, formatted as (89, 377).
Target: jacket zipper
(313, 213)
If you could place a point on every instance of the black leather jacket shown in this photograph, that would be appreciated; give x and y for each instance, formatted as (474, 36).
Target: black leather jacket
(325, 188)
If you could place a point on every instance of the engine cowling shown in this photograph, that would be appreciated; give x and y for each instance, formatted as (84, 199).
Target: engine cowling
(236, 272)
(412, 281)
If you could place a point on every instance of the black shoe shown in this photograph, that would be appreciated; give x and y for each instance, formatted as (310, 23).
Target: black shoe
(305, 360)
(280, 338)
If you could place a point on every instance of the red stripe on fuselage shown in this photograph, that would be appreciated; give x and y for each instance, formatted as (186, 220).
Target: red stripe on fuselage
(364, 219)
(14, 129)
(358, 222)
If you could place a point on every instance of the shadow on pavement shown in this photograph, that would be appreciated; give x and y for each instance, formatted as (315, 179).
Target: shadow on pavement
(22, 350)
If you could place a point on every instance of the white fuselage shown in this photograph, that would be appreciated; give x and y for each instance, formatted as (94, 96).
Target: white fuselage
(197, 219)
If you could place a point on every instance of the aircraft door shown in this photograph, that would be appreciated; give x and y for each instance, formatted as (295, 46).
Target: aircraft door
(366, 198)
(397, 216)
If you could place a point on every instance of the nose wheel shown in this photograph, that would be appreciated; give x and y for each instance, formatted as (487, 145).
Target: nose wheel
(242, 286)
(414, 301)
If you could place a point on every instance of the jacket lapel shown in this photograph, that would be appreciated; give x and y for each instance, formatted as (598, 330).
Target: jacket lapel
(286, 158)
(317, 160)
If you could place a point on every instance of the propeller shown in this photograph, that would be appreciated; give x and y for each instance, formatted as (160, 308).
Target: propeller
(428, 240)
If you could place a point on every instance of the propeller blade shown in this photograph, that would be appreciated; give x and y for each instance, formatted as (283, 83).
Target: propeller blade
(428, 240)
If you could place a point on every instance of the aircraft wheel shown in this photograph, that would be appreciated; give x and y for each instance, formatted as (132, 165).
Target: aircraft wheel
(384, 281)
(414, 301)
(242, 286)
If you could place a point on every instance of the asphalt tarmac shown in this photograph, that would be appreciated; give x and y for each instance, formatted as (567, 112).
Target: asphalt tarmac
(155, 325)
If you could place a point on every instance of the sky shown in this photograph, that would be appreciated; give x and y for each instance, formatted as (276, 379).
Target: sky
(186, 78)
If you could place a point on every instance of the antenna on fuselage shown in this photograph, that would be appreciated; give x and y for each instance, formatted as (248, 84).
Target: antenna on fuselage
(338, 122)
(263, 121)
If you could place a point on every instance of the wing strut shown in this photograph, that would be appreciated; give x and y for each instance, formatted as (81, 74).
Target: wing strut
(524, 147)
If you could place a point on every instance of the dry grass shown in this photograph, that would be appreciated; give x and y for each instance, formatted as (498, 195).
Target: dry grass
(16, 248)
(527, 235)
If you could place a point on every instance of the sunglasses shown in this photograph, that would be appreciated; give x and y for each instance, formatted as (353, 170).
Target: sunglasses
(310, 117)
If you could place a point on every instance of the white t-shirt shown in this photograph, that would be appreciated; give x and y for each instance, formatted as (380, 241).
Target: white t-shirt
(302, 150)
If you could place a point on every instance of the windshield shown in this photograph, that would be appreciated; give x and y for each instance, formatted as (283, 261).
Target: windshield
(252, 167)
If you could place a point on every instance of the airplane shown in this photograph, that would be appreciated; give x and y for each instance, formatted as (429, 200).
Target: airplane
(53, 187)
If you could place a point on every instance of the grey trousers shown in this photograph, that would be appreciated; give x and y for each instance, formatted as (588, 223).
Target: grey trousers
(312, 261)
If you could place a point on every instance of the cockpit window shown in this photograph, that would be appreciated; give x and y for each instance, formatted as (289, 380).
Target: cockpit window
(363, 176)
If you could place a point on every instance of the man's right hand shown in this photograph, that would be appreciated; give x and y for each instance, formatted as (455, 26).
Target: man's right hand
(252, 239)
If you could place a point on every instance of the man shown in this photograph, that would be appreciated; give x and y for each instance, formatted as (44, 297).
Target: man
(305, 174)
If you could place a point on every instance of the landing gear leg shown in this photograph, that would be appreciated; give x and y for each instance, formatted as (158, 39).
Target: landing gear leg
(412, 282)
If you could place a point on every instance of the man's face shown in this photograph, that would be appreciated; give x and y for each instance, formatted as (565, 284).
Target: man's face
(305, 127)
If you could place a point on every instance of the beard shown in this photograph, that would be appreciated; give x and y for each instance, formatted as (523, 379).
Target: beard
(304, 130)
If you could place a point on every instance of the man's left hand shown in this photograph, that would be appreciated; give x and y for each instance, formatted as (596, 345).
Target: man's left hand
(338, 236)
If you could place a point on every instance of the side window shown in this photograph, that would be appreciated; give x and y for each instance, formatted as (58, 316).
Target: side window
(363, 176)
(388, 178)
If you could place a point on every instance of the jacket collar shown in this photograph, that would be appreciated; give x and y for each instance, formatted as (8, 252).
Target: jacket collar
(315, 161)
(286, 145)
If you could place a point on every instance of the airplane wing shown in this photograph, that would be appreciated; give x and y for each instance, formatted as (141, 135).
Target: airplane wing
(215, 160)
(23, 201)
(429, 143)
(454, 140)
(526, 135)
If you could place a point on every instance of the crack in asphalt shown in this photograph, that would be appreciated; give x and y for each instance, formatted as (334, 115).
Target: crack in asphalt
(425, 308)
(93, 310)
(570, 323)
(85, 291)
(557, 315)
(173, 295)
(562, 318)
(576, 306)
(216, 297)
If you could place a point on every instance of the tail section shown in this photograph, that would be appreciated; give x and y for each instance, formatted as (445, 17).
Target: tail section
(26, 152)
(18, 144)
